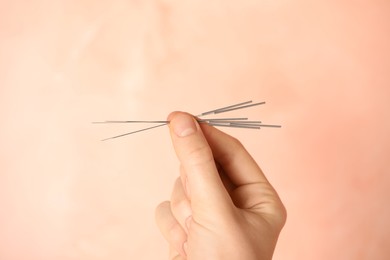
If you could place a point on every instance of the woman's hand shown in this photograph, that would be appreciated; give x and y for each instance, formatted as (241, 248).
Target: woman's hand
(222, 206)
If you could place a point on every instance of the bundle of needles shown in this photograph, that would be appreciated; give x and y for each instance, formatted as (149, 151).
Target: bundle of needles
(237, 122)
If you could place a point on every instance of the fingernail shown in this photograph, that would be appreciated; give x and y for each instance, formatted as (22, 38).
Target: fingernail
(183, 125)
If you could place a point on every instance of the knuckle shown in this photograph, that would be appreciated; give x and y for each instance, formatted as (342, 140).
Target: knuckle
(236, 143)
(279, 214)
(282, 216)
(178, 204)
(236, 146)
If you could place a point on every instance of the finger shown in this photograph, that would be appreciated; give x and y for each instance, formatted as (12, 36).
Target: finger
(252, 191)
(207, 193)
(229, 186)
(236, 162)
(180, 206)
(227, 183)
(170, 228)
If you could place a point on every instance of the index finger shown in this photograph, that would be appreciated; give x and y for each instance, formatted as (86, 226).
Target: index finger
(235, 160)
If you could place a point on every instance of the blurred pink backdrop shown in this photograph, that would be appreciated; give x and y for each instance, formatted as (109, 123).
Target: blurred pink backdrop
(323, 67)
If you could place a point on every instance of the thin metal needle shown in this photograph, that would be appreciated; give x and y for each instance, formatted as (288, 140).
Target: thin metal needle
(234, 124)
(276, 126)
(237, 119)
(241, 123)
(144, 129)
(164, 121)
(121, 122)
(237, 126)
(221, 122)
(236, 108)
(223, 108)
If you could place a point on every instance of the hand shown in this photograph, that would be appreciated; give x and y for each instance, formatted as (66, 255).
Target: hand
(222, 206)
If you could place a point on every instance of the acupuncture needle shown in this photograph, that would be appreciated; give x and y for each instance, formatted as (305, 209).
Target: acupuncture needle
(248, 123)
(165, 121)
(215, 111)
(223, 122)
(236, 126)
(243, 124)
(219, 110)
(223, 108)
(137, 131)
(236, 108)
(259, 126)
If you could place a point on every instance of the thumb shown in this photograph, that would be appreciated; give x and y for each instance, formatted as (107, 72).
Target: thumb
(206, 191)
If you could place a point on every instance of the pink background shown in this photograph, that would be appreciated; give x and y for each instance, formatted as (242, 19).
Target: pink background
(322, 66)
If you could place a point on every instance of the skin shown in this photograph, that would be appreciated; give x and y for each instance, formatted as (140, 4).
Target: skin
(222, 206)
